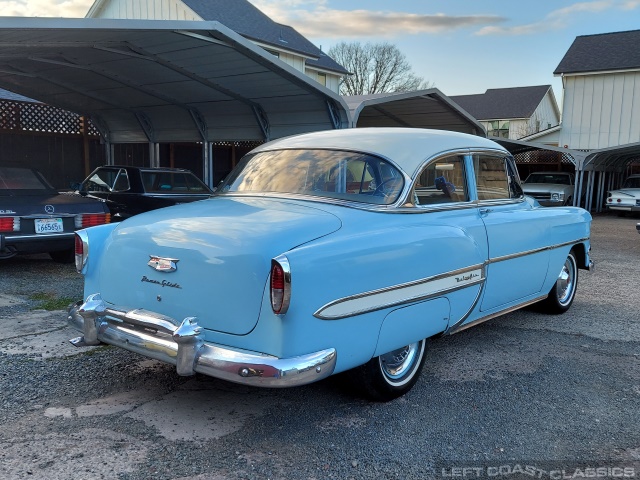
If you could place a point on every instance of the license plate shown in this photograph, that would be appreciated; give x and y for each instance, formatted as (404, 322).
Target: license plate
(48, 225)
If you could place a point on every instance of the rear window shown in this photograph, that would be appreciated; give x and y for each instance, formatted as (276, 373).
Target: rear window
(23, 179)
(335, 174)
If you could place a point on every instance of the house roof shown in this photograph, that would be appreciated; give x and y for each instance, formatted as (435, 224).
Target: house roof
(503, 103)
(603, 52)
(247, 20)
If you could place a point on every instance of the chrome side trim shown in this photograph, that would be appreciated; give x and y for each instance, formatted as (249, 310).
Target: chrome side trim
(536, 250)
(401, 294)
(182, 344)
(494, 315)
(466, 315)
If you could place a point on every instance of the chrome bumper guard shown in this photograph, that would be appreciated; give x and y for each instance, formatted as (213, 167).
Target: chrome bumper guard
(182, 344)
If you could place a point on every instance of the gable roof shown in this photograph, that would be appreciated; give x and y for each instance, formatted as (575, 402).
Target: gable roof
(503, 103)
(603, 52)
(244, 18)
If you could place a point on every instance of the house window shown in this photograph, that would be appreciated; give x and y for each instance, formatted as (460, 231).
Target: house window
(322, 78)
(498, 128)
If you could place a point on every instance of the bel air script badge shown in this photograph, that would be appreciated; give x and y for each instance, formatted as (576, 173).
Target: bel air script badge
(164, 265)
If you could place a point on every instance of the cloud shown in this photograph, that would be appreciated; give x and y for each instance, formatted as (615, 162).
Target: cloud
(560, 18)
(313, 18)
(45, 8)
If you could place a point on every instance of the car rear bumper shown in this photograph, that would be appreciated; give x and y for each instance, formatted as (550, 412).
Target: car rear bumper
(182, 344)
(32, 243)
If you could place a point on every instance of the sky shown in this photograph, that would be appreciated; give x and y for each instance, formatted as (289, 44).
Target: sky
(459, 46)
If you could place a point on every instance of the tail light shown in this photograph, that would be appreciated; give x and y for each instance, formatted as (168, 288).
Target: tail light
(10, 224)
(81, 249)
(280, 285)
(92, 219)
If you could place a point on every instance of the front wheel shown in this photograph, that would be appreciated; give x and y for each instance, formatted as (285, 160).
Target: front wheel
(563, 291)
(393, 374)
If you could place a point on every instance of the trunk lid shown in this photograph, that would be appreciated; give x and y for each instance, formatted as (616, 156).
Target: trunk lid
(221, 250)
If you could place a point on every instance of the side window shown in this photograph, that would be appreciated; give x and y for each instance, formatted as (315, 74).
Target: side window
(441, 181)
(496, 178)
(122, 182)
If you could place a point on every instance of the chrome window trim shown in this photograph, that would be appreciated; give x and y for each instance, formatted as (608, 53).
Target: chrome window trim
(402, 301)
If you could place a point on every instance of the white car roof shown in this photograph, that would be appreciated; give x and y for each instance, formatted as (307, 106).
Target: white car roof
(407, 147)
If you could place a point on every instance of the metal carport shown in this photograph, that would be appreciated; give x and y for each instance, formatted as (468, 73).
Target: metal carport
(163, 81)
(597, 171)
(420, 109)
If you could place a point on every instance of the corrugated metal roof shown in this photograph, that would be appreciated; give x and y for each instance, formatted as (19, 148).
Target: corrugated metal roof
(420, 109)
(503, 103)
(244, 18)
(603, 52)
(7, 95)
(163, 81)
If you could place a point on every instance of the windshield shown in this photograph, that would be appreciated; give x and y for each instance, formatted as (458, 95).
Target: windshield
(556, 178)
(322, 173)
(632, 182)
(23, 179)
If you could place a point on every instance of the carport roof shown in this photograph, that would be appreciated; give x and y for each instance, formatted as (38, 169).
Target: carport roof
(420, 109)
(163, 81)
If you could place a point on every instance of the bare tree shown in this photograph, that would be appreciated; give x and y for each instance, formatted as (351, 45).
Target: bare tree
(375, 68)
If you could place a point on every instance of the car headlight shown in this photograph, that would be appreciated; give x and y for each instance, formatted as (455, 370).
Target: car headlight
(557, 197)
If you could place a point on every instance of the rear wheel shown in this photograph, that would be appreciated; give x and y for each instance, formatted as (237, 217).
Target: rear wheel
(563, 291)
(393, 374)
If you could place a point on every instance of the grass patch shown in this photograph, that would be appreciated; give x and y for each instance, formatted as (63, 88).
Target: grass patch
(49, 301)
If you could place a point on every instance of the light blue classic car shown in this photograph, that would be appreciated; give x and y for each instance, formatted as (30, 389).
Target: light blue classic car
(329, 252)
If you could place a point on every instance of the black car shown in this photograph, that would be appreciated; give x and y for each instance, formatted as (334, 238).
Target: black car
(132, 190)
(36, 218)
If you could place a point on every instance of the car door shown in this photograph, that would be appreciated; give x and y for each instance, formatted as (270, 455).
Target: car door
(456, 241)
(518, 259)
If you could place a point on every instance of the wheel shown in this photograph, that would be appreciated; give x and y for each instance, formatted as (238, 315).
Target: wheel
(63, 256)
(563, 291)
(391, 375)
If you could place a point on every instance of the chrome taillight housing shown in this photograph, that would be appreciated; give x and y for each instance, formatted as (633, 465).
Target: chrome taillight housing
(280, 285)
(81, 249)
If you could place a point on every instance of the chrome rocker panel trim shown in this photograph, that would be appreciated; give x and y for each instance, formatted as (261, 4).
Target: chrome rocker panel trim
(182, 344)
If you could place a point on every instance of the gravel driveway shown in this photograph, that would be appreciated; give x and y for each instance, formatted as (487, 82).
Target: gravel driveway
(523, 396)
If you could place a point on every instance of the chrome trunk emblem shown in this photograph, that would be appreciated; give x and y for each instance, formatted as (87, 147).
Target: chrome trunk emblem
(165, 265)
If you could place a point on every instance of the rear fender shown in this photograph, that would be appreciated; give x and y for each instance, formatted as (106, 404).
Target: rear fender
(412, 323)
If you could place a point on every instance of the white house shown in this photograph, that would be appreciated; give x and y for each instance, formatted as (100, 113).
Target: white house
(513, 112)
(601, 82)
(240, 16)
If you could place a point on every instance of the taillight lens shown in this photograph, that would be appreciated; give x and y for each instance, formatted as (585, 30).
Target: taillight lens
(81, 249)
(280, 285)
(9, 224)
(92, 219)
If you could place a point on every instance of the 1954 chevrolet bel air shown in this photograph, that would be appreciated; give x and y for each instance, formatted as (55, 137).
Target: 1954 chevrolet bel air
(328, 252)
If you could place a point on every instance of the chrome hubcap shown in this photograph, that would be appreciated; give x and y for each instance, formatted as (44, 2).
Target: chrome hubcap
(395, 364)
(566, 282)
